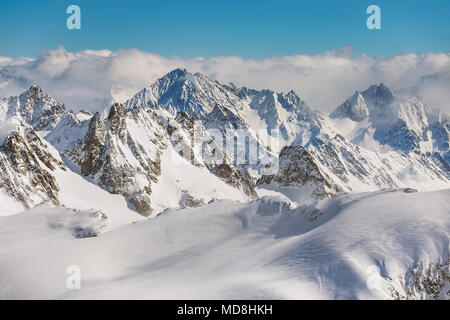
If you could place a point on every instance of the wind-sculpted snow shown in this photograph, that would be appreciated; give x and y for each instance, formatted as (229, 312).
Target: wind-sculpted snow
(352, 246)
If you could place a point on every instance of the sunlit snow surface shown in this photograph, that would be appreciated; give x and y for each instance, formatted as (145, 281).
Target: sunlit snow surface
(352, 246)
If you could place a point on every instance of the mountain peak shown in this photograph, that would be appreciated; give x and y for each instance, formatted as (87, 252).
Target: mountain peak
(354, 108)
(182, 78)
(177, 73)
(34, 92)
(293, 96)
(357, 95)
(35, 87)
(379, 94)
(384, 90)
(180, 90)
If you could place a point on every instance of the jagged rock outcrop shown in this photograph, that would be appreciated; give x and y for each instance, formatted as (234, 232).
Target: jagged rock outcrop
(298, 168)
(181, 90)
(114, 154)
(422, 281)
(221, 106)
(27, 166)
(122, 153)
(93, 146)
(188, 201)
(90, 224)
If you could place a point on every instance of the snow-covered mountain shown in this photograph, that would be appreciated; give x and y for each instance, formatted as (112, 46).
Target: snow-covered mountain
(32, 172)
(35, 107)
(374, 140)
(131, 153)
(26, 166)
(204, 98)
(402, 123)
(219, 166)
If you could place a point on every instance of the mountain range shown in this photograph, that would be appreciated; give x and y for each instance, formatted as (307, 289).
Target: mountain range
(197, 189)
(155, 150)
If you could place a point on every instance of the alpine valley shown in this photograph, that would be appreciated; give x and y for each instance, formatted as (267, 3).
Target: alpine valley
(302, 204)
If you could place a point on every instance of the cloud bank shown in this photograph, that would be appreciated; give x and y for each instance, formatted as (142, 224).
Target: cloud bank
(93, 79)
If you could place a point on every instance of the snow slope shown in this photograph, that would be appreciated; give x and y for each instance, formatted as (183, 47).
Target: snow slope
(35, 107)
(352, 246)
(179, 178)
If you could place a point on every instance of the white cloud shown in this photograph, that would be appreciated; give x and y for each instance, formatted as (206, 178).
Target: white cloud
(92, 79)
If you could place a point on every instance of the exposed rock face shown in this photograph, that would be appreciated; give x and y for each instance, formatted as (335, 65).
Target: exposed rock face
(93, 146)
(181, 90)
(193, 142)
(348, 162)
(26, 168)
(149, 163)
(181, 131)
(439, 125)
(299, 168)
(403, 124)
(334, 165)
(122, 153)
(238, 178)
(222, 106)
(113, 153)
(223, 118)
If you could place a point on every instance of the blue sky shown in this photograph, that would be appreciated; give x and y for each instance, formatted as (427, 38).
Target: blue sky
(206, 28)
